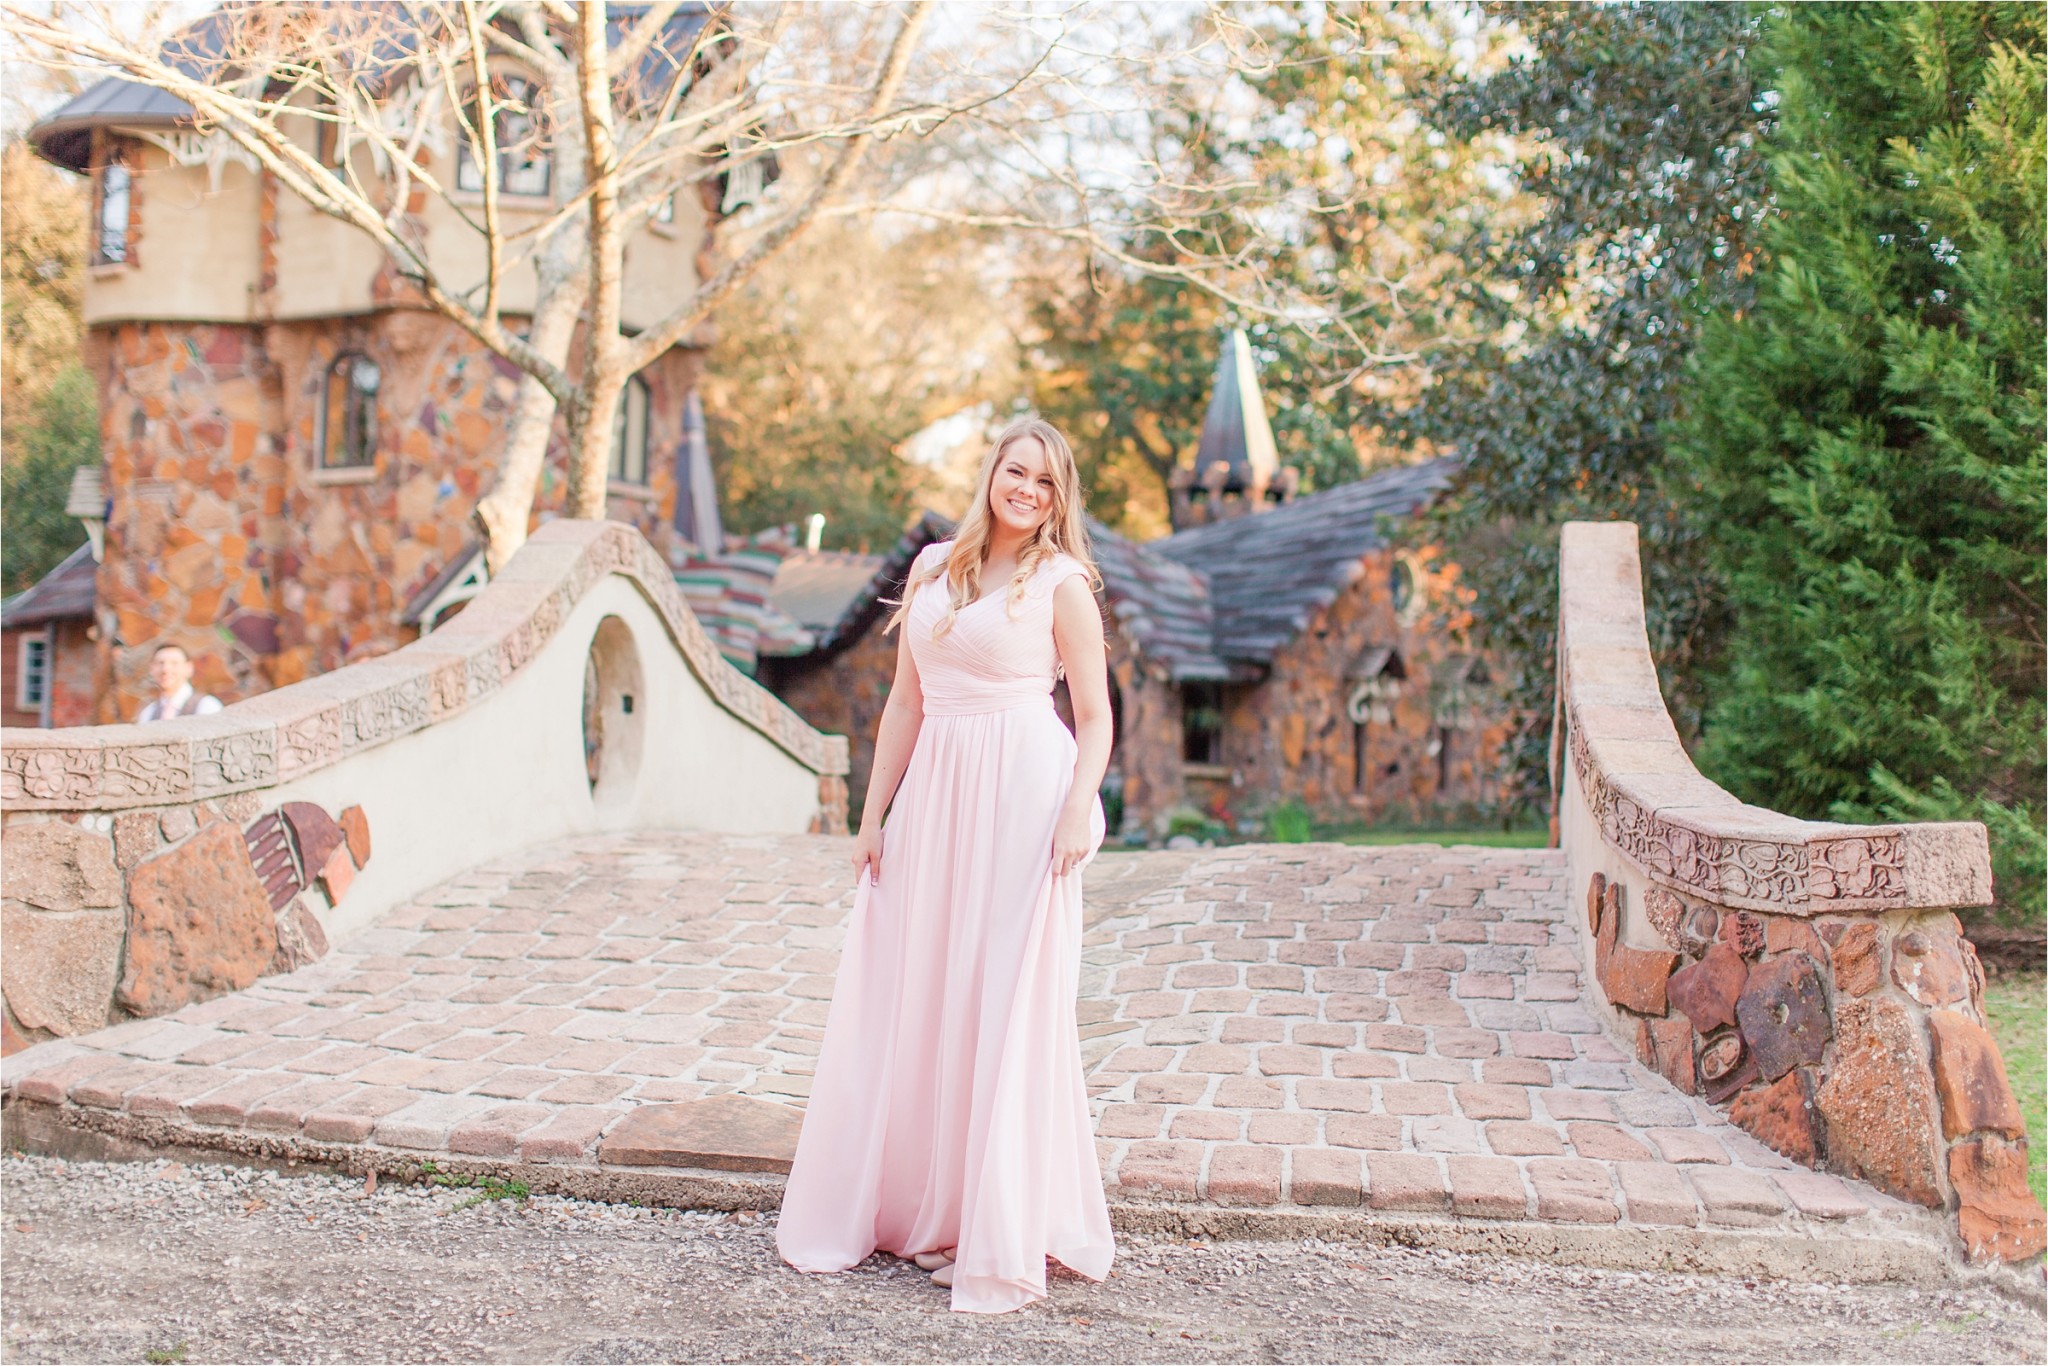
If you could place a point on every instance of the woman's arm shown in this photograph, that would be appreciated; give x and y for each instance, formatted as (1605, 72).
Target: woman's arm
(1077, 631)
(895, 738)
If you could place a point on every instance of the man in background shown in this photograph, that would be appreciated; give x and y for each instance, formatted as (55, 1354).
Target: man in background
(170, 668)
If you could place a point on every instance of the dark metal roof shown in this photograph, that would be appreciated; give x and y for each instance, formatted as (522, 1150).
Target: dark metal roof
(65, 137)
(1269, 572)
(66, 593)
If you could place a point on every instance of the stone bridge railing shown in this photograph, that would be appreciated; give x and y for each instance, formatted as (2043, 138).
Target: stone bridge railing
(1809, 976)
(146, 867)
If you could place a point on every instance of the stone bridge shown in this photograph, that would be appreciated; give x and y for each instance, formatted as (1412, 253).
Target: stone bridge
(606, 971)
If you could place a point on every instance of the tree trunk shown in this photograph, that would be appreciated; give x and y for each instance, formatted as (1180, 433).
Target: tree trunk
(503, 514)
(604, 352)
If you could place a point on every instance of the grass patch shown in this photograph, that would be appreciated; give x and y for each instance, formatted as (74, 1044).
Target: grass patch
(486, 1187)
(164, 1356)
(2017, 1003)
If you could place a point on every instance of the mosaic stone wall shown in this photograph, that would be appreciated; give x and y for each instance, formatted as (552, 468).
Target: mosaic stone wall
(226, 539)
(1289, 738)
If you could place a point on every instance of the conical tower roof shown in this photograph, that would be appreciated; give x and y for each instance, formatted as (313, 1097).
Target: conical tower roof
(1235, 430)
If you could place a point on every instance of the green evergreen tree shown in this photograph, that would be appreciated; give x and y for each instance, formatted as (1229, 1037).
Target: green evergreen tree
(1864, 447)
(61, 433)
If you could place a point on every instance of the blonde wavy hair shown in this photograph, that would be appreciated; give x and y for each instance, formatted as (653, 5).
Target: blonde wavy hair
(1063, 532)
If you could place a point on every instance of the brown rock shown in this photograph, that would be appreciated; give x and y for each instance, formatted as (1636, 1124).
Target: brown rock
(56, 866)
(1706, 991)
(317, 834)
(1878, 1102)
(355, 828)
(1929, 968)
(1664, 911)
(1697, 930)
(199, 924)
(1606, 928)
(724, 1133)
(135, 837)
(12, 1040)
(1859, 959)
(1782, 1116)
(1596, 896)
(1636, 978)
(59, 968)
(241, 807)
(1998, 1215)
(300, 940)
(1969, 1076)
(1743, 932)
(1783, 1014)
(1784, 933)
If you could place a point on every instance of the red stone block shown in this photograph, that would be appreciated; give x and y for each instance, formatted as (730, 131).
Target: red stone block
(1478, 1100)
(1969, 1076)
(1859, 958)
(1999, 1216)
(1510, 1138)
(355, 829)
(1706, 991)
(1161, 1168)
(1743, 932)
(1785, 933)
(1605, 1143)
(1782, 1116)
(1878, 1102)
(1929, 968)
(1636, 978)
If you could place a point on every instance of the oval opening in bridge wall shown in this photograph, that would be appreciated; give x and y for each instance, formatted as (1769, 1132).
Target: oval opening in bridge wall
(612, 731)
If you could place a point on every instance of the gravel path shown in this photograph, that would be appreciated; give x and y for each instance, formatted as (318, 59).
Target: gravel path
(161, 1261)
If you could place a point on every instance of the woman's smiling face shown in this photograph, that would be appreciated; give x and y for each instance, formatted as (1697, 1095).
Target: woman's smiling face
(1022, 491)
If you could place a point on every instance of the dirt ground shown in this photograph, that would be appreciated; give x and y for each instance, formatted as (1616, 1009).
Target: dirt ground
(165, 1262)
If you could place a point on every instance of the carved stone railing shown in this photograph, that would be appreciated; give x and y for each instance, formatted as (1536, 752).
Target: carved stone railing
(1810, 976)
(149, 866)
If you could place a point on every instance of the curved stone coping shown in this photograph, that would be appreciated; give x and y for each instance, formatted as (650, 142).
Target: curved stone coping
(1680, 828)
(295, 730)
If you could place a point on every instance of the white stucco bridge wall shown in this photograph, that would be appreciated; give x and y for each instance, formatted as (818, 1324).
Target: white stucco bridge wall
(343, 795)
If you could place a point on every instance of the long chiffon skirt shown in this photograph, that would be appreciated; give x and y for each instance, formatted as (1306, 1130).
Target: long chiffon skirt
(949, 1108)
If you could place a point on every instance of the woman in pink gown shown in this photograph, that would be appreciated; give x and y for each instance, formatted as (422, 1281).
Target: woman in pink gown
(948, 1121)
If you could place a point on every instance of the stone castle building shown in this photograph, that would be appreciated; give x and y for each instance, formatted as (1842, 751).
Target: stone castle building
(291, 448)
(1276, 649)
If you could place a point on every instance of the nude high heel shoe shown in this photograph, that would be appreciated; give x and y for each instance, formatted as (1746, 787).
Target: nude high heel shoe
(933, 1261)
(943, 1277)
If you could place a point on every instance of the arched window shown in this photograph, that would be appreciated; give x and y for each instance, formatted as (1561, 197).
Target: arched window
(629, 434)
(110, 244)
(523, 163)
(347, 438)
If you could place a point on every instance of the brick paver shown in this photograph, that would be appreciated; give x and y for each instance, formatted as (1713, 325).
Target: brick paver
(1399, 1029)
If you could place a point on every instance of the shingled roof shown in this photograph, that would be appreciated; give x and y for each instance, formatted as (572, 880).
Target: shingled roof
(66, 593)
(1161, 606)
(1269, 572)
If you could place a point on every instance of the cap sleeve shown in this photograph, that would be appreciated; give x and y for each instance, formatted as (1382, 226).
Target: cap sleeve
(1057, 571)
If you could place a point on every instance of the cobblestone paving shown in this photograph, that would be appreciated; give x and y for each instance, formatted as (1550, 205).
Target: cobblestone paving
(1268, 1026)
